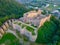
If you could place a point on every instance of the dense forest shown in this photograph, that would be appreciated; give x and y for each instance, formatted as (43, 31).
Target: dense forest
(49, 33)
(11, 9)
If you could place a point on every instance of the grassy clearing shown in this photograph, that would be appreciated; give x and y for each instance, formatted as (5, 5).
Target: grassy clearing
(19, 24)
(30, 29)
(8, 39)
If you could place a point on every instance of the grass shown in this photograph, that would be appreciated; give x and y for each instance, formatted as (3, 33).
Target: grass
(18, 33)
(33, 33)
(25, 38)
(8, 39)
(30, 29)
(23, 25)
(19, 24)
(34, 26)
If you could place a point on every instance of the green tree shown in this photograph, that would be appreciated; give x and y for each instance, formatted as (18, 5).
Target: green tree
(46, 32)
(11, 9)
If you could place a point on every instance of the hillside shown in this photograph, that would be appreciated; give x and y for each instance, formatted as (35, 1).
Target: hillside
(49, 33)
(11, 9)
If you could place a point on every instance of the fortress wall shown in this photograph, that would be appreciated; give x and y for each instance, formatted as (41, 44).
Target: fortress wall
(0, 35)
(33, 14)
(5, 26)
(44, 20)
(1, 31)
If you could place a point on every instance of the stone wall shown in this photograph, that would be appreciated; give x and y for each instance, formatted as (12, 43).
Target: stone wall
(44, 20)
(5, 27)
(33, 13)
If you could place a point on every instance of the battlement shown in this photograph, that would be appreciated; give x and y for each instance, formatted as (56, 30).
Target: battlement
(5, 27)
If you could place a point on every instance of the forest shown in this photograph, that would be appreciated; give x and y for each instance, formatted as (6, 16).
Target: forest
(49, 33)
(11, 9)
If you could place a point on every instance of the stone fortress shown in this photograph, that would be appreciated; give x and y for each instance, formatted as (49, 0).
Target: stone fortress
(30, 18)
(35, 18)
